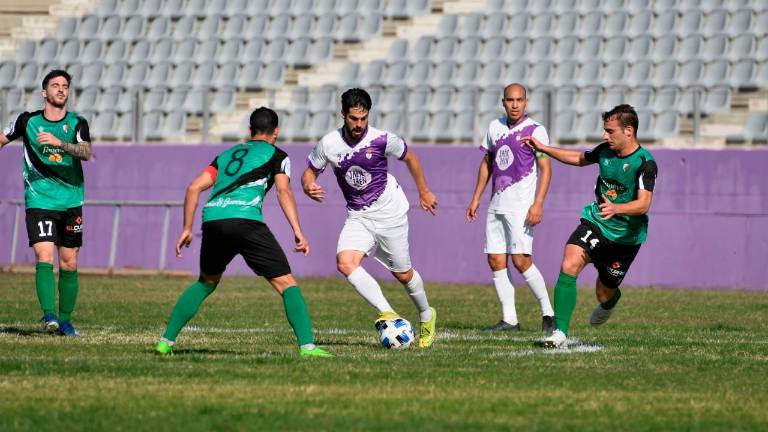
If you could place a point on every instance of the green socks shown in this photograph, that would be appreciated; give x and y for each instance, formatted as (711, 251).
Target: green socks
(298, 315)
(610, 304)
(565, 301)
(45, 284)
(186, 308)
(68, 288)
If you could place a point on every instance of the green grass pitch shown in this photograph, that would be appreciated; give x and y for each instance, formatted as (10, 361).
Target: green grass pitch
(667, 360)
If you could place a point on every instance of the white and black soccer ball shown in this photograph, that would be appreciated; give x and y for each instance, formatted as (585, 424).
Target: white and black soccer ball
(395, 333)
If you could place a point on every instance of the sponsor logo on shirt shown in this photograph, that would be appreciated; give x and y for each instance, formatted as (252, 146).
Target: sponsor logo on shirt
(357, 177)
(55, 157)
(504, 157)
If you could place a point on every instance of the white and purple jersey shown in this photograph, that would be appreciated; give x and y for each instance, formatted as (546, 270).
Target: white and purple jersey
(513, 163)
(361, 171)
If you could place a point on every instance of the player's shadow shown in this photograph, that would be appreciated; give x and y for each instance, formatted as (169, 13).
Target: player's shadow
(346, 343)
(18, 331)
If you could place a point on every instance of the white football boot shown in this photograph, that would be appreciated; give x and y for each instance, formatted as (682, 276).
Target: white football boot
(555, 340)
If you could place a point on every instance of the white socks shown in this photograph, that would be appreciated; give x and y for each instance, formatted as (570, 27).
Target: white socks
(369, 289)
(415, 288)
(506, 293)
(535, 282)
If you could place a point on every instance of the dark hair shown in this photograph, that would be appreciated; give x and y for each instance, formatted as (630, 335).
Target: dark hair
(55, 74)
(625, 114)
(263, 121)
(355, 98)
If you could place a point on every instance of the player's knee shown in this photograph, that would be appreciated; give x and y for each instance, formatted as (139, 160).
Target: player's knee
(281, 283)
(346, 267)
(403, 277)
(522, 262)
(571, 267)
(68, 263)
(497, 261)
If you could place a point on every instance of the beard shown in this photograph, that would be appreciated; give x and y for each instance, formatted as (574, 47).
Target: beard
(55, 103)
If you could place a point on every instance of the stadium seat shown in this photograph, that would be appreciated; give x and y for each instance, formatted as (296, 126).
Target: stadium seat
(276, 49)
(469, 49)
(615, 48)
(418, 98)
(567, 24)
(350, 75)
(715, 73)
(467, 73)
(320, 123)
(7, 74)
(743, 74)
(665, 98)
(588, 98)
(91, 75)
(224, 100)
(420, 72)
(234, 28)
(541, 49)
(690, 23)
(441, 99)
(28, 77)
(117, 51)
(755, 130)
(25, 52)
(690, 73)
(150, 8)
(640, 48)
(715, 48)
(616, 23)
(114, 76)
(565, 73)
(184, 29)
(514, 72)
(154, 100)
(273, 75)
(442, 74)
(493, 25)
(374, 72)
(173, 9)
(448, 26)
(67, 28)
(590, 24)
(107, 8)
(664, 72)
(741, 47)
(640, 24)
(613, 96)
(566, 127)
(664, 48)
(441, 126)
(103, 124)
(493, 72)
(543, 24)
(445, 49)
(641, 97)
(128, 8)
(715, 22)
(717, 99)
(589, 73)
(516, 50)
(133, 30)
(470, 25)
(665, 125)
(665, 23)
(298, 53)
(86, 99)
(590, 125)
(690, 48)
(302, 26)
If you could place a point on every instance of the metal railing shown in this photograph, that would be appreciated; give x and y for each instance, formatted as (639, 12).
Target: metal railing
(113, 244)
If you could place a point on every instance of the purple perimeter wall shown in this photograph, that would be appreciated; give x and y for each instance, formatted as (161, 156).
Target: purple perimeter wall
(708, 228)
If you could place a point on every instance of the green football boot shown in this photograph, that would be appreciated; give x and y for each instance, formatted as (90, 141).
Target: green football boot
(163, 348)
(314, 352)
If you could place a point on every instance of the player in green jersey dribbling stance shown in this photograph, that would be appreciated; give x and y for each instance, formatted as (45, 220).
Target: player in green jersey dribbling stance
(232, 224)
(54, 143)
(613, 226)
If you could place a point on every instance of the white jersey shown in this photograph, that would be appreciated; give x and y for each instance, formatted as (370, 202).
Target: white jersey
(361, 172)
(513, 167)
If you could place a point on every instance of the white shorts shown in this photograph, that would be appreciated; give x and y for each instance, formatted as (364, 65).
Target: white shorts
(391, 242)
(507, 233)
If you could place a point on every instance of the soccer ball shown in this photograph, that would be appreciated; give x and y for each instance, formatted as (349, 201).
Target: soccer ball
(395, 333)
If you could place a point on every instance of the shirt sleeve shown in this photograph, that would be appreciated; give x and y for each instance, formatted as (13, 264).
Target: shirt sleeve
(540, 133)
(317, 159)
(16, 128)
(396, 146)
(487, 144)
(646, 178)
(594, 154)
(82, 133)
(281, 164)
(213, 168)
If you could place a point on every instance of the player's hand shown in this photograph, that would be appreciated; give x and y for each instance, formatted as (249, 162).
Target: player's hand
(302, 245)
(472, 210)
(48, 139)
(184, 240)
(533, 143)
(315, 191)
(428, 202)
(535, 214)
(607, 209)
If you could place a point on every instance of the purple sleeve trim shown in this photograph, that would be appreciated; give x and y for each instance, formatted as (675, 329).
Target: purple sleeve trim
(405, 151)
(484, 150)
(313, 168)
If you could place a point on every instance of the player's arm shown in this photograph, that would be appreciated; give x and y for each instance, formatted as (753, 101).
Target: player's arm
(14, 130)
(427, 199)
(570, 157)
(536, 211)
(483, 174)
(288, 205)
(640, 205)
(3, 140)
(202, 182)
(310, 186)
(80, 149)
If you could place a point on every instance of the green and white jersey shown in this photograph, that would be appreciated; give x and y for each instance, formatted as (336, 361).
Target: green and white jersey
(53, 180)
(242, 176)
(619, 180)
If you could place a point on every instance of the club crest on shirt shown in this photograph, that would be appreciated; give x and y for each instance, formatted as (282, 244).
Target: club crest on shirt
(626, 167)
(368, 153)
(66, 128)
